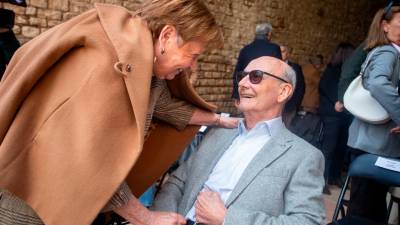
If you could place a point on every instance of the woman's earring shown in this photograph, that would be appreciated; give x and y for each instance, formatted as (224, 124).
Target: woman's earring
(162, 51)
(155, 59)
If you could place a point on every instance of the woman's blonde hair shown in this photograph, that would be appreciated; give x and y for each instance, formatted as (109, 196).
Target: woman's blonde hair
(376, 34)
(192, 19)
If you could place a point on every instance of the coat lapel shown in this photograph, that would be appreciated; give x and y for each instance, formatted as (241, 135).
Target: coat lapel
(134, 64)
(272, 150)
(213, 152)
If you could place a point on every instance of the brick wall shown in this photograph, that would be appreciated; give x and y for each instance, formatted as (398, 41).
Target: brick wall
(308, 26)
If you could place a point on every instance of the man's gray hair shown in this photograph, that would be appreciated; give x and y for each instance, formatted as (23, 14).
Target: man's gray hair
(263, 28)
(290, 75)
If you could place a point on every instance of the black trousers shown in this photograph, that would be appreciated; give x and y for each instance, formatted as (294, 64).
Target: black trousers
(8, 45)
(334, 144)
(367, 197)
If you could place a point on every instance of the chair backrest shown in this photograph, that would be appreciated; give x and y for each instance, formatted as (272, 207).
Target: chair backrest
(364, 166)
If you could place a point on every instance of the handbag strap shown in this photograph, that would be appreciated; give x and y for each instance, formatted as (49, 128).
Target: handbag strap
(366, 62)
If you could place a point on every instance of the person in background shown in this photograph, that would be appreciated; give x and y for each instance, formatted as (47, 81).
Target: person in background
(8, 42)
(351, 69)
(77, 102)
(336, 124)
(312, 74)
(352, 66)
(368, 198)
(257, 174)
(294, 103)
(307, 123)
(16, 2)
(261, 46)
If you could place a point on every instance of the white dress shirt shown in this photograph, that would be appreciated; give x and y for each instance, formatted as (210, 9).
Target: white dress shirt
(236, 158)
(396, 47)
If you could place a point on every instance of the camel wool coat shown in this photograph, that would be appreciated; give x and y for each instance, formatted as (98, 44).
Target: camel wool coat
(73, 105)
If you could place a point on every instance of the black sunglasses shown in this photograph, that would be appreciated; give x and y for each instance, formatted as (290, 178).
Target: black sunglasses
(256, 76)
(387, 12)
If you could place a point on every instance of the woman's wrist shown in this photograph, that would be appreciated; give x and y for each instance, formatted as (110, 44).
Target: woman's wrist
(217, 121)
(134, 212)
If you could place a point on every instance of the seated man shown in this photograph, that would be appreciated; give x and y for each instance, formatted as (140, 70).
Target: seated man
(259, 173)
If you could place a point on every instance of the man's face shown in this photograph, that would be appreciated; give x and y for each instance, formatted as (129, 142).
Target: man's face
(267, 96)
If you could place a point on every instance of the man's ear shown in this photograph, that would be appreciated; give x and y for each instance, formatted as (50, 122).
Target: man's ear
(285, 92)
(167, 34)
(269, 36)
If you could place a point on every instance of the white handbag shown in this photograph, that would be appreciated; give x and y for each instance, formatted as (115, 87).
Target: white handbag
(359, 102)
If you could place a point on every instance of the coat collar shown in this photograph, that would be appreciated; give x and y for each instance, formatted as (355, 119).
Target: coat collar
(133, 44)
(127, 33)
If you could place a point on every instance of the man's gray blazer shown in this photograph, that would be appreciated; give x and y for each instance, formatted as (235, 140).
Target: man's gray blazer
(281, 185)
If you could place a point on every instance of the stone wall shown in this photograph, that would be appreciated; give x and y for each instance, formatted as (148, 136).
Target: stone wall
(308, 26)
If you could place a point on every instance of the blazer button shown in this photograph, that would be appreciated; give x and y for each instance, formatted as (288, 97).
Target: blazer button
(128, 68)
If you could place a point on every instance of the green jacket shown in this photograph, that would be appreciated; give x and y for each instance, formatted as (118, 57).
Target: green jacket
(350, 69)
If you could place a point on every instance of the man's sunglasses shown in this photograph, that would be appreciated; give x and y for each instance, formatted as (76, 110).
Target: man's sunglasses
(256, 76)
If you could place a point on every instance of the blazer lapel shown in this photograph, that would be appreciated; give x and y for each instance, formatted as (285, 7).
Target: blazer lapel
(272, 150)
(213, 151)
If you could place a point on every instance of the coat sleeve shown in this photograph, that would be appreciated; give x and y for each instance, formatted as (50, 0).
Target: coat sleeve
(303, 199)
(350, 70)
(172, 110)
(120, 198)
(378, 82)
(276, 52)
(31, 61)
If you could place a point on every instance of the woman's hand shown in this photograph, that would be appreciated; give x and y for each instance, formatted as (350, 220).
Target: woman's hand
(165, 218)
(339, 106)
(395, 130)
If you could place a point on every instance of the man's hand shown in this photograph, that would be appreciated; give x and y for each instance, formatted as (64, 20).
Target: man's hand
(395, 130)
(210, 208)
(339, 106)
(165, 218)
(137, 214)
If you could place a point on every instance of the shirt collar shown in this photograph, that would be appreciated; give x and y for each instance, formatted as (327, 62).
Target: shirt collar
(396, 47)
(271, 126)
(260, 37)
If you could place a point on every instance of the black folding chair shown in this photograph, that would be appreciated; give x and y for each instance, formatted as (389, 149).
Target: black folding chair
(364, 166)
